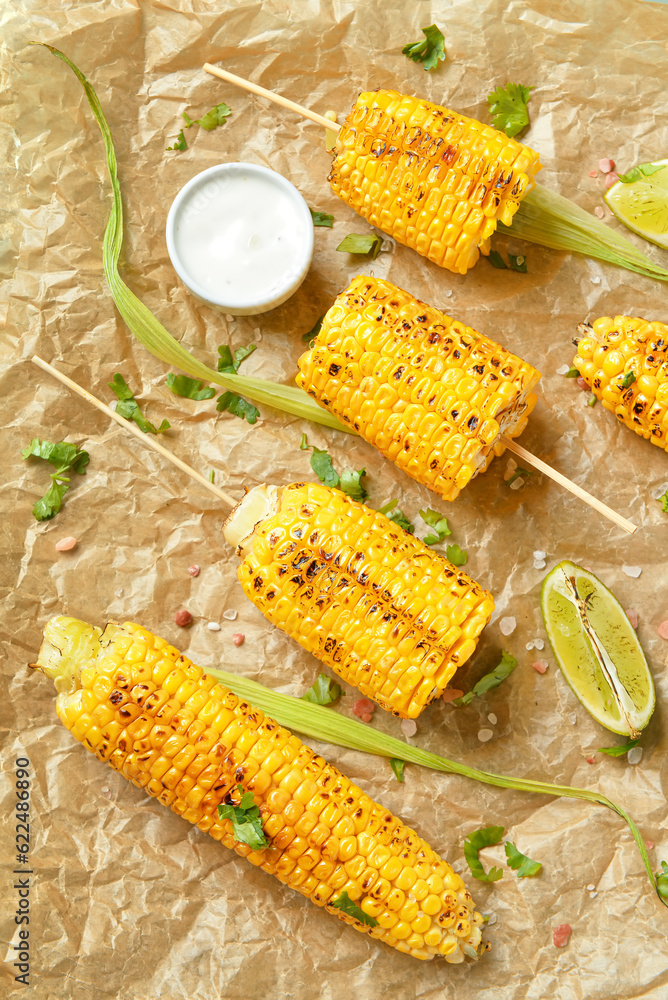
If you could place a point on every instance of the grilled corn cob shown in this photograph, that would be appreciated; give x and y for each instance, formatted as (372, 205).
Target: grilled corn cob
(372, 602)
(625, 362)
(429, 177)
(429, 392)
(136, 703)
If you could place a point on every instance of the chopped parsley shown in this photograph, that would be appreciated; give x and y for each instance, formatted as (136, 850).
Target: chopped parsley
(642, 170)
(664, 502)
(474, 843)
(246, 820)
(508, 106)
(628, 380)
(430, 51)
(357, 243)
(180, 142)
(218, 115)
(349, 482)
(491, 680)
(346, 905)
(437, 521)
(394, 513)
(517, 473)
(189, 388)
(456, 555)
(572, 373)
(524, 866)
(518, 262)
(212, 476)
(322, 219)
(398, 768)
(620, 750)
(228, 364)
(592, 400)
(324, 691)
(496, 260)
(128, 407)
(66, 458)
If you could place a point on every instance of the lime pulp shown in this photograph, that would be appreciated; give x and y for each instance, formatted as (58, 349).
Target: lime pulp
(642, 204)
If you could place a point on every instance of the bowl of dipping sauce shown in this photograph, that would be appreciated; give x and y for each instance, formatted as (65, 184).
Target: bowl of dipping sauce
(240, 237)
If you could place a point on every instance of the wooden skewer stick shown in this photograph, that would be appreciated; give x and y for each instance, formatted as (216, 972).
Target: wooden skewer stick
(573, 488)
(254, 88)
(132, 428)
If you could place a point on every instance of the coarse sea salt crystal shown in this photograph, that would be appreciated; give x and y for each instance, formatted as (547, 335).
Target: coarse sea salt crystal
(634, 756)
(539, 564)
(632, 571)
(573, 719)
(229, 615)
(484, 735)
(530, 645)
(213, 627)
(507, 625)
(595, 280)
(599, 212)
(591, 887)
(491, 918)
(593, 895)
(492, 718)
(539, 643)
(562, 369)
(659, 492)
(539, 554)
(518, 484)
(409, 727)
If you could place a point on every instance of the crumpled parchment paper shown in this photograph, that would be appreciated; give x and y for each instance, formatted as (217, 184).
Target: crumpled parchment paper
(128, 901)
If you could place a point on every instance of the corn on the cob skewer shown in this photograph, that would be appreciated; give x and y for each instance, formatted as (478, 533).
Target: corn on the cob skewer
(135, 702)
(624, 360)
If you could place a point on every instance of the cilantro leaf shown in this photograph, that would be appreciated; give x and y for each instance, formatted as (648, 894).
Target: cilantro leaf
(65, 457)
(430, 51)
(321, 463)
(437, 521)
(662, 500)
(662, 882)
(357, 243)
(246, 820)
(518, 263)
(491, 680)
(51, 502)
(572, 373)
(628, 380)
(238, 406)
(322, 219)
(642, 170)
(314, 331)
(475, 842)
(496, 260)
(324, 691)
(524, 866)
(398, 768)
(229, 364)
(620, 750)
(517, 473)
(218, 115)
(394, 513)
(350, 483)
(508, 106)
(456, 555)
(61, 454)
(189, 388)
(180, 143)
(344, 903)
(128, 407)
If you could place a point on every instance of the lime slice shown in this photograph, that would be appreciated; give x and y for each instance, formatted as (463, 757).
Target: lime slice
(642, 203)
(597, 649)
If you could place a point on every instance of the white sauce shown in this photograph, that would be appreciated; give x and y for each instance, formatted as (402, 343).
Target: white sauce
(240, 238)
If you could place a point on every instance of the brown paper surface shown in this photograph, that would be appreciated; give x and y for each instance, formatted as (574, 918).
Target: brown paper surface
(127, 900)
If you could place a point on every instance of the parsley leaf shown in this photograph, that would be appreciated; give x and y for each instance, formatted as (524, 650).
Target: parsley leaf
(357, 243)
(456, 555)
(662, 881)
(246, 820)
(496, 260)
(228, 364)
(524, 866)
(491, 680)
(572, 373)
(65, 457)
(128, 407)
(218, 115)
(324, 691)
(628, 380)
(313, 332)
(321, 463)
(180, 143)
(508, 106)
(431, 51)
(642, 170)
(394, 513)
(438, 522)
(189, 388)
(517, 473)
(238, 406)
(322, 219)
(662, 500)
(398, 768)
(346, 905)
(620, 750)
(475, 842)
(351, 484)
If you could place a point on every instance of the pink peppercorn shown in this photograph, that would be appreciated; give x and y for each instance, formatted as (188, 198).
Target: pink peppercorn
(663, 629)
(593, 173)
(66, 544)
(606, 166)
(633, 617)
(238, 638)
(194, 569)
(560, 935)
(540, 666)
(183, 618)
(611, 179)
(363, 709)
(591, 760)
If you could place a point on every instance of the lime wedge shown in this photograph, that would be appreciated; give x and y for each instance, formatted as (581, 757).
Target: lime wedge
(597, 649)
(642, 202)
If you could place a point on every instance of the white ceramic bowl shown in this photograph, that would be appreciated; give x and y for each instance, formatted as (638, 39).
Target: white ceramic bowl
(240, 236)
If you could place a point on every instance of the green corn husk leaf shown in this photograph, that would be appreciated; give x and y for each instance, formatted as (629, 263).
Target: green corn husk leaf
(148, 329)
(327, 725)
(549, 219)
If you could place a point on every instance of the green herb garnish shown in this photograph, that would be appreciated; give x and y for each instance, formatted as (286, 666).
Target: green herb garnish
(322, 219)
(496, 260)
(524, 866)
(229, 363)
(437, 521)
(324, 691)
(474, 843)
(394, 513)
(628, 380)
(246, 820)
(237, 406)
(189, 388)
(128, 407)
(572, 373)
(349, 482)
(398, 768)
(65, 457)
(345, 903)
(218, 115)
(357, 243)
(517, 262)
(662, 882)
(664, 502)
(491, 680)
(508, 106)
(430, 51)
(620, 750)
(180, 143)
(456, 555)
(313, 332)
(592, 400)
(642, 170)
(212, 476)
(517, 473)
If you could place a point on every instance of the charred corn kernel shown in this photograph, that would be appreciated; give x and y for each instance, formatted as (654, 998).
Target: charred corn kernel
(612, 352)
(192, 772)
(429, 177)
(440, 438)
(355, 580)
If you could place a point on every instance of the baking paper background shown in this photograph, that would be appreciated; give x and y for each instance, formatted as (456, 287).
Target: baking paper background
(128, 901)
